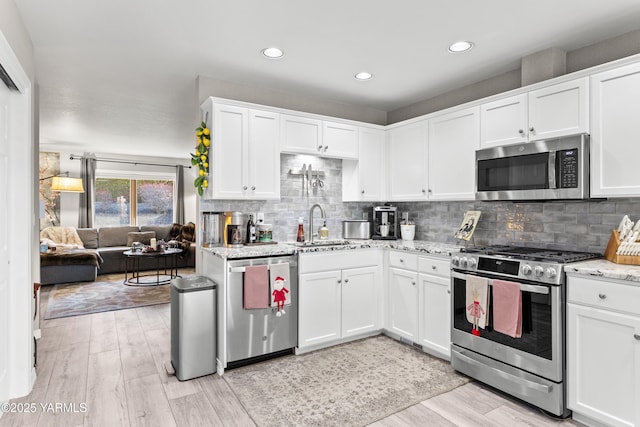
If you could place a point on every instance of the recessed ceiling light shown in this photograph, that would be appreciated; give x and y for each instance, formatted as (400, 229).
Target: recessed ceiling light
(462, 46)
(272, 52)
(364, 76)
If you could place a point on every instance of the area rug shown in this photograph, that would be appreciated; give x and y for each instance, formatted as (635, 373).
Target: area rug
(351, 384)
(106, 294)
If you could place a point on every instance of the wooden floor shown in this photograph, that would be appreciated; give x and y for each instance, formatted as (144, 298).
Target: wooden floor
(108, 368)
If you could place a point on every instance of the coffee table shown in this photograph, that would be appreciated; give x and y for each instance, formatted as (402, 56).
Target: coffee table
(166, 261)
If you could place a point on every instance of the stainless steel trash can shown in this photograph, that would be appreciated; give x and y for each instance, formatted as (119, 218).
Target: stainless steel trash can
(193, 327)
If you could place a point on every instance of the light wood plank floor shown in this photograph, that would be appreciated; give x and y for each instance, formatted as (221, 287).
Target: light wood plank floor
(113, 363)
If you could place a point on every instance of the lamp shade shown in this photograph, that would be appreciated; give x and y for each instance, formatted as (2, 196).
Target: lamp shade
(64, 183)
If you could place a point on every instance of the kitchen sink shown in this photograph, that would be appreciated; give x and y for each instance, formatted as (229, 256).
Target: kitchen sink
(317, 243)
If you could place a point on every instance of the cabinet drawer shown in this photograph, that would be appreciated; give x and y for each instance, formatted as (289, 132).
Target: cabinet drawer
(434, 266)
(604, 294)
(404, 260)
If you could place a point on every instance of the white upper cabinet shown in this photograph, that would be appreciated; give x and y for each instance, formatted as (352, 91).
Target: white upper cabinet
(558, 110)
(364, 179)
(615, 109)
(245, 159)
(339, 140)
(304, 135)
(300, 135)
(504, 121)
(453, 141)
(407, 148)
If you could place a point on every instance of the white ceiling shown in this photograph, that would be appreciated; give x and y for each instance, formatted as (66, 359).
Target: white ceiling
(119, 76)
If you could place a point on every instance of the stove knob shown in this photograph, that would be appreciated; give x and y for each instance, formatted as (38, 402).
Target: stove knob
(526, 269)
(455, 260)
(463, 262)
(538, 271)
(472, 263)
(551, 272)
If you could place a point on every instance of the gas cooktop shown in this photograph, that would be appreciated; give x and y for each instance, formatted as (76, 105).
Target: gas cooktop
(533, 254)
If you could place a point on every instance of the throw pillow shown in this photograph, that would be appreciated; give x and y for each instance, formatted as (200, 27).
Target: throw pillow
(143, 237)
(188, 232)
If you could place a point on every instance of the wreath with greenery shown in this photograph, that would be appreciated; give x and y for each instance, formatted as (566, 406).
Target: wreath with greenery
(201, 157)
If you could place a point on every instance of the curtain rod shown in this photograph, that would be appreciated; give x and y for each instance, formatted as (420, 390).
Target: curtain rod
(75, 157)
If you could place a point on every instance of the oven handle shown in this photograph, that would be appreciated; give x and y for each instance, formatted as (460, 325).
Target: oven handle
(507, 376)
(523, 286)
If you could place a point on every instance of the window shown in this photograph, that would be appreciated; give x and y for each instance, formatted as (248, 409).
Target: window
(128, 201)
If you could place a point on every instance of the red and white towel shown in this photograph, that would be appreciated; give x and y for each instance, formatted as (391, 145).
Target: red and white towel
(507, 308)
(477, 300)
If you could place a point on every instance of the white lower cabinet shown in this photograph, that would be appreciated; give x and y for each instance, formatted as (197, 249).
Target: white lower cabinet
(603, 351)
(434, 314)
(419, 301)
(403, 303)
(339, 304)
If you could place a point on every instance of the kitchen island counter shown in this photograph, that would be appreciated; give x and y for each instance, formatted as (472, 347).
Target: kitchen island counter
(605, 269)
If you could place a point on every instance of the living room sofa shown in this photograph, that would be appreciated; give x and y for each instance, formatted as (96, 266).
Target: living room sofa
(109, 243)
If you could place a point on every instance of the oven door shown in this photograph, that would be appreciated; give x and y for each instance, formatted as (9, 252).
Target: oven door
(539, 350)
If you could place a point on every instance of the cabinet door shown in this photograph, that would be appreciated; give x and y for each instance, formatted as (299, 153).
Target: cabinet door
(615, 108)
(229, 144)
(453, 141)
(320, 308)
(504, 121)
(603, 365)
(360, 300)
(363, 179)
(300, 135)
(435, 314)
(263, 156)
(408, 162)
(403, 303)
(559, 110)
(339, 140)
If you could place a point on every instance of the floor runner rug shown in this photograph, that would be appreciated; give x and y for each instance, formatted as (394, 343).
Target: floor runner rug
(351, 384)
(107, 293)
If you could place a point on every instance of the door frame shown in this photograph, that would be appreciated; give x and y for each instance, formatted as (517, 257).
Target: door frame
(22, 237)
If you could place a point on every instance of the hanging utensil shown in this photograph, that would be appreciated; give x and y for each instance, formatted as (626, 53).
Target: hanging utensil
(309, 171)
(304, 176)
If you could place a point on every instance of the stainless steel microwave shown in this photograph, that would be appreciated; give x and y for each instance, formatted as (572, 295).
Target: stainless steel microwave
(552, 169)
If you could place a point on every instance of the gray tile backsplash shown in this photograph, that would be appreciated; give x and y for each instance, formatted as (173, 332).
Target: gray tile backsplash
(580, 225)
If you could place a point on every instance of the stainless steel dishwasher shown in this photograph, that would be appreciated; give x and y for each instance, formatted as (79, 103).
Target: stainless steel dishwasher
(257, 334)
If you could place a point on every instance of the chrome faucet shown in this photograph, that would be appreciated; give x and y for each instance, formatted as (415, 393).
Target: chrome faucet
(311, 231)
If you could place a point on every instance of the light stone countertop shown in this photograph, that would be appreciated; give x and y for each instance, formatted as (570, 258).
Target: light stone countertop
(605, 269)
(259, 251)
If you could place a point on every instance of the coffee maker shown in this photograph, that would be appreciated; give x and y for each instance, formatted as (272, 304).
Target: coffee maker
(385, 222)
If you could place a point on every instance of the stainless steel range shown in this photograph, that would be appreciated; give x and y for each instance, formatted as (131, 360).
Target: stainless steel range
(531, 367)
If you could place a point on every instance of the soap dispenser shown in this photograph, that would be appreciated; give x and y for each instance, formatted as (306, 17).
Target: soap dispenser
(300, 238)
(323, 232)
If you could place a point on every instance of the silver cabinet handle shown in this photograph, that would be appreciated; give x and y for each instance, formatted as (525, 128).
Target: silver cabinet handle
(602, 296)
(346, 280)
(244, 188)
(449, 291)
(401, 260)
(326, 147)
(532, 130)
(339, 280)
(433, 267)
(413, 283)
(424, 191)
(521, 132)
(362, 191)
(253, 187)
(636, 336)
(319, 147)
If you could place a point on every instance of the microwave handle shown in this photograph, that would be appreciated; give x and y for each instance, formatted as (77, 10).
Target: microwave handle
(523, 286)
(552, 169)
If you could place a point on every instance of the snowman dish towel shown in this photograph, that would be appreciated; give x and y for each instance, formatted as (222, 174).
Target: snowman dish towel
(280, 292)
